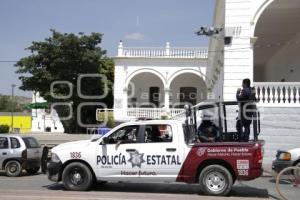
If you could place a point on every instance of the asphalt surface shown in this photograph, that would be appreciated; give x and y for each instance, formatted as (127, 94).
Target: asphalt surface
(39, 187)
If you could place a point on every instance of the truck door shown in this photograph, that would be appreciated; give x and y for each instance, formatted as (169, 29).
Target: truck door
(4, 151)
(162, 155)
(118, 158)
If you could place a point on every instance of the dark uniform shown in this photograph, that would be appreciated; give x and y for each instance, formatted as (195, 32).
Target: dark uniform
(246, 97)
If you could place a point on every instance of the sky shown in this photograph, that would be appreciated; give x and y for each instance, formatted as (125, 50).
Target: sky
(138, 23)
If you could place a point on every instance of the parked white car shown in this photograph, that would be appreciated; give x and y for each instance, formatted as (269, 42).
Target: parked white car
(18, 153)
(286, 159)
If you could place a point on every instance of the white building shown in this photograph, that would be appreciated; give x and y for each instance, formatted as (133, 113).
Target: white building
(43, 120)
(152, 81)
(264, 47)
(264, 41)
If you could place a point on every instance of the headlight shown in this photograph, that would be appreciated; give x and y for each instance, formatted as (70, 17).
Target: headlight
(284, 156)
(54, 158)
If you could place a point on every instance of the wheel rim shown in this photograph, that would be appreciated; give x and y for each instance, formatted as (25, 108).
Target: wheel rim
(76, 176)
(13, 168)
(288, 177)
(215, 181)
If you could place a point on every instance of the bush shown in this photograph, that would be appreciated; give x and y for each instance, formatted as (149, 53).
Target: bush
(165, 116)
(4, 128)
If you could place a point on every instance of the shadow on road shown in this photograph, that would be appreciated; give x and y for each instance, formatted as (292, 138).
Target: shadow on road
(246, 191)
(23, 174)
(237, 191)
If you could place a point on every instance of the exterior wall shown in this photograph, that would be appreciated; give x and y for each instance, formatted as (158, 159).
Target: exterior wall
(238, 57)
(165, 69)
(42, 120)
(22, 122)
(241, 17)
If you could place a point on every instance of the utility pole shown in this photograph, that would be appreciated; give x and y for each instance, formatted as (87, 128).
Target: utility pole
(12, 107)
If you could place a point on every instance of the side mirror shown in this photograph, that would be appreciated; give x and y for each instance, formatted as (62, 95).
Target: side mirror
(105, 140)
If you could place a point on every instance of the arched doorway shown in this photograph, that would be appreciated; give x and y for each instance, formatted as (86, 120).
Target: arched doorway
(276, 51)
(187, 88)
(146, 90)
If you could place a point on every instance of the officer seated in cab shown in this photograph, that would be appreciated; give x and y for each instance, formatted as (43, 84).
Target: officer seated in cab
(208, 131)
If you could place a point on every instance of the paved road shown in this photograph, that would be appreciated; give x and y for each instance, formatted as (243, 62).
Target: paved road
(39, 187)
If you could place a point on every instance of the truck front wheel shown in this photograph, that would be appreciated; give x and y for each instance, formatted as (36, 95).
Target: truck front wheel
(77, 177)
(215, 180)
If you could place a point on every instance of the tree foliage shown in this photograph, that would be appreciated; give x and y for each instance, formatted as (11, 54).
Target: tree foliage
(64, 57)
(7, 105)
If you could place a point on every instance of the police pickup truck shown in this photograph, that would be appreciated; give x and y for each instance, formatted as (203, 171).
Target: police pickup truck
(156, 151)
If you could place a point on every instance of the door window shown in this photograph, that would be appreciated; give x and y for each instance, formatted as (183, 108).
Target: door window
(158, 133)
(127, 134)
(14, 143)
(3, 143)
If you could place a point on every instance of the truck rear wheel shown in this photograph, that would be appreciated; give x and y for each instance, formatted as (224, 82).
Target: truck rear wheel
(215, 180)
(77, 177)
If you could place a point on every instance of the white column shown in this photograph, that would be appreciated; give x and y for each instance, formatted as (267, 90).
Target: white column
(125, 102)
(120, 48)
(119, 98)
(167, 99)
(238, 56)
(168, 49)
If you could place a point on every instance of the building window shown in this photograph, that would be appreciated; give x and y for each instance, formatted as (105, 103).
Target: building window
(154, 96)
(188, 95)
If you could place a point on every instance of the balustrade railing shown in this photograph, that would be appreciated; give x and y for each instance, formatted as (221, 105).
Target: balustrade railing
(162, 52)
(137, 113)
(285, 94)
(152, 113)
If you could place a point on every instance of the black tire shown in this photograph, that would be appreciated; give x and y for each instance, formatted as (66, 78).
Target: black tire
(13, 168)
(33, 171)
(44, 159)
(77, 177)
(221, 183)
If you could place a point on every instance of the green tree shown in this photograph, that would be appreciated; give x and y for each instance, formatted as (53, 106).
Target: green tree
(64, 57)
(6, 105)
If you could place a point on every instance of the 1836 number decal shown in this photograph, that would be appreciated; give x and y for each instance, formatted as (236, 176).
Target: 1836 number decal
(75, 154)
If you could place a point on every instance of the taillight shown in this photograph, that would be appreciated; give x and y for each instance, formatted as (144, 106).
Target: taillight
(258, 156)
(24, 154)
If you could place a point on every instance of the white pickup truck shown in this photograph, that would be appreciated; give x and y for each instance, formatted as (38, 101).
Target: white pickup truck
(155, 151)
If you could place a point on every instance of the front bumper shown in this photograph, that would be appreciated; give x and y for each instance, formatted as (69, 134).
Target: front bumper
(278, 165)
(53, 171)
